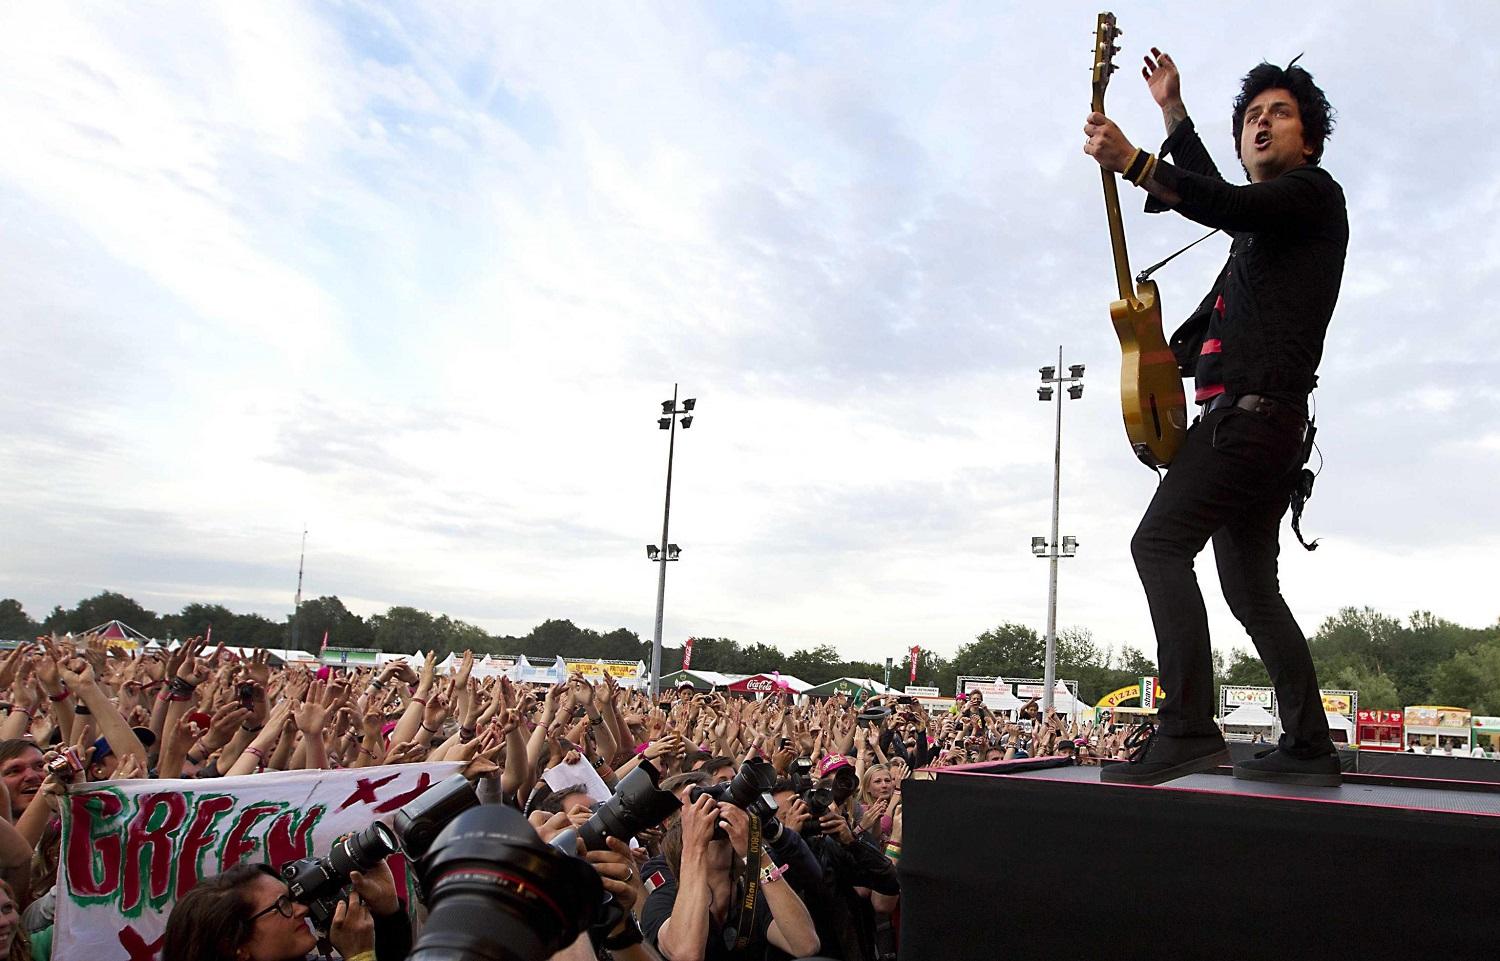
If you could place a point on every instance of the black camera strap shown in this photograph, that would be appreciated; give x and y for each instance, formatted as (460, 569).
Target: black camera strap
(751, 879)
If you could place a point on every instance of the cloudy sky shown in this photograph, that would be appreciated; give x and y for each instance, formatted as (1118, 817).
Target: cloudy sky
(420, 275)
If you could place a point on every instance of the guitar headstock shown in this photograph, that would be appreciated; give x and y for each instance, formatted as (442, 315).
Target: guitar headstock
(1105, 35)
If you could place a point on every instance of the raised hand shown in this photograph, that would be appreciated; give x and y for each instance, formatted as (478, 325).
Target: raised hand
(310, 717)
(1162, 79)
(78, 673)
(190, 666)
(11, 666)
(259, 667)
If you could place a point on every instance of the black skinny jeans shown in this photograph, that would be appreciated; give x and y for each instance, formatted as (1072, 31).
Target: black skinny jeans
(1231, 481)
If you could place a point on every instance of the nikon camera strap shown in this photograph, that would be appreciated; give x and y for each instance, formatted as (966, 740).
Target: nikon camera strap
(751, 878)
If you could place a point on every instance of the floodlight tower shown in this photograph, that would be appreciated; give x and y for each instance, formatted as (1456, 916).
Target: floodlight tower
(666, 552)
(1056, 548)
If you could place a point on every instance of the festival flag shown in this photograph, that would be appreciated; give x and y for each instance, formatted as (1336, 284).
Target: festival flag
(687, 654)
(208, 635)
(324, 648)
(915, 651)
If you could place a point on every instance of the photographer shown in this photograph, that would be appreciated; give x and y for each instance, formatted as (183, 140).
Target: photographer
(851, 866)
(615, 865)
(247, 914)
(706, 911)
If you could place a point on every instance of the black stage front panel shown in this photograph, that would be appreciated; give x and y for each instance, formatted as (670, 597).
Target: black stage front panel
(1029, 860)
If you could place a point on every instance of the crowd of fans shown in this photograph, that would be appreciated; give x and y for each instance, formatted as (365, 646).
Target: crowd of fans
(826, 884)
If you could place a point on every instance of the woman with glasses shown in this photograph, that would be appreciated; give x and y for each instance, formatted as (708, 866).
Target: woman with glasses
(245, 914)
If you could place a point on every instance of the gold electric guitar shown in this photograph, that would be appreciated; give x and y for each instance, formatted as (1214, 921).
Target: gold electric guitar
(1150, 385)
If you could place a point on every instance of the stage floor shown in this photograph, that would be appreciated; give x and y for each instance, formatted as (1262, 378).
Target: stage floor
(1412, 794)
(1014, 859)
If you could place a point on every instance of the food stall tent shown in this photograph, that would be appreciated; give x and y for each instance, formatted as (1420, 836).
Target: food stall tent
(1380, 730)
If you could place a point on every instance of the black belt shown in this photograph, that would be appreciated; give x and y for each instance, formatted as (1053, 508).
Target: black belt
(1251, 402)
(1257, 404)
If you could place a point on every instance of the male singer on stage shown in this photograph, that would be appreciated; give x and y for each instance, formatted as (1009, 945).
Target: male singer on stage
(1253, 348)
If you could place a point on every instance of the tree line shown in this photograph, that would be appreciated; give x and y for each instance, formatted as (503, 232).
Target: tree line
(1391, 662)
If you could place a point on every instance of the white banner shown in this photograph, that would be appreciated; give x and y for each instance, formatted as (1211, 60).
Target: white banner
(130, 849)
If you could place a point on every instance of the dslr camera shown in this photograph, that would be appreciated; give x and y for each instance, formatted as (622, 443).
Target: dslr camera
(750, 791)
(321, 883)
(638, 804)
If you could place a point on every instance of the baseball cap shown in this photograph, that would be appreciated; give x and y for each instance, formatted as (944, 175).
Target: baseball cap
(832, 763)
(102, 749)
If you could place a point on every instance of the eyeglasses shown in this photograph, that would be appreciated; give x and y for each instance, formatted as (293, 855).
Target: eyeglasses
(283, 906)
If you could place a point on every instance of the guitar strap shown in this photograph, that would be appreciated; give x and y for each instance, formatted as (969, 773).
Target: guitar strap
(1145, 275)
(1304, 489)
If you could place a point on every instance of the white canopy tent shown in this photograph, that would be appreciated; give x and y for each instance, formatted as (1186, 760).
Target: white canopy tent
(1003, 702)
(1338, 722)
(1063, 702)
(1248, 720)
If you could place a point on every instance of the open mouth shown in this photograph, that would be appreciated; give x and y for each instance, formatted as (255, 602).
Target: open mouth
(1263, 138)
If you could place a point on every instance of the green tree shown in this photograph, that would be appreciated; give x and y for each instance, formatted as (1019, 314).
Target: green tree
(402, 630)
(1376, 690)
(555, 637)
(328, 613)
(455, 637)
(815, 665)
(1244, 669)
(1009, 650)
(102, 607)
(1470, 679)
(623, 645)
(195, 619)
(15, 623)
(1134, 661)
(255, 630)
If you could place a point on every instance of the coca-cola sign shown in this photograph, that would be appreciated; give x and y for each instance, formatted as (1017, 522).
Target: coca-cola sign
(760, 684)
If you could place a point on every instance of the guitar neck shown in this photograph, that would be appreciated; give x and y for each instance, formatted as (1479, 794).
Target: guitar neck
(1116, 223)
(1117, 234)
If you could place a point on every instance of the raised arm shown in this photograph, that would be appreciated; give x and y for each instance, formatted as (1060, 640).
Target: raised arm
(79, 676)
(1165, 84)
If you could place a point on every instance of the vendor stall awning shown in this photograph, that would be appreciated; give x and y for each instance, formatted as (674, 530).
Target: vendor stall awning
(766, 683)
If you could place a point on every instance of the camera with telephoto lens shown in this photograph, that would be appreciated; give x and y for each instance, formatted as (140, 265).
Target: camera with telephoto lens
(800, 772)
(496, 892)
(819, 801)
(637, 805)
(321, 883)
(750, 791)
(419, 822)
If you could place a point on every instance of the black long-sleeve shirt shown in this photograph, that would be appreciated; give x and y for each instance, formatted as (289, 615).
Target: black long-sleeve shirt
(1282, 279)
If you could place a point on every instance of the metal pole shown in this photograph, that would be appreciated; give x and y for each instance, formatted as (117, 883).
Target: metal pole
(297, 601)
(1049, 674)
(661, 580)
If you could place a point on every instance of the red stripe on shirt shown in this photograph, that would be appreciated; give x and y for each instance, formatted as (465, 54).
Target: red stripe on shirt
(1212, 345)
(1204, 394)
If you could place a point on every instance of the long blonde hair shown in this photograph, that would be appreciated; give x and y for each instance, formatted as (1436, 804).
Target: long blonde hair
(20, 945)
(865, 797)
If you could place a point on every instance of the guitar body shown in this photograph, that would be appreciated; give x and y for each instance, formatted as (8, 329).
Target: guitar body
(1151, 394)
